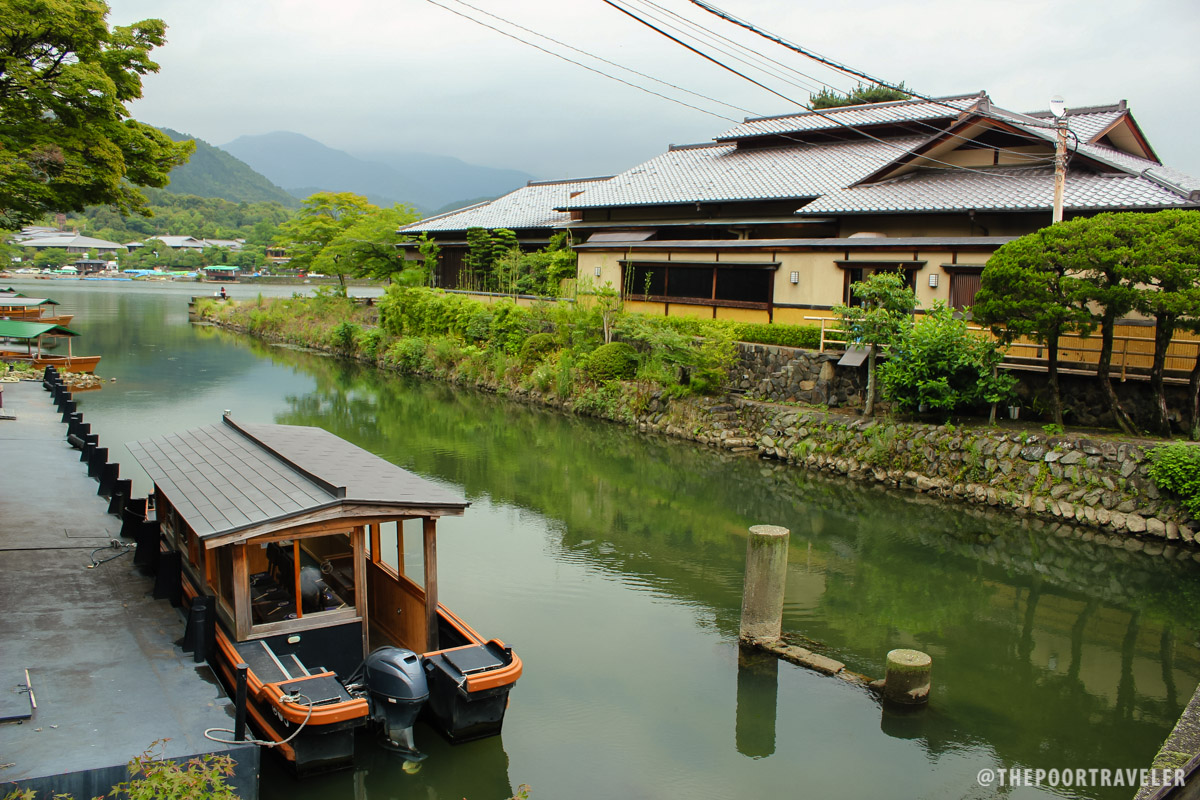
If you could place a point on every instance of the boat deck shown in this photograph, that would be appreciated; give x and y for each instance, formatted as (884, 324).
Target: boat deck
(107, 676)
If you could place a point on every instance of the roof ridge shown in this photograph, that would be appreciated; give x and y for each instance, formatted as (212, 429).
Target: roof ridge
(333, 489)
(564, 180)
(1120, 105)
(694, 146)
(910, 101)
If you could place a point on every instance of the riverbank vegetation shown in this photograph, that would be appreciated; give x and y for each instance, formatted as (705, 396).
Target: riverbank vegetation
(572, 352)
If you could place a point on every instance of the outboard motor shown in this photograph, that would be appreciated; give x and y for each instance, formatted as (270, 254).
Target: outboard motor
(398, 690)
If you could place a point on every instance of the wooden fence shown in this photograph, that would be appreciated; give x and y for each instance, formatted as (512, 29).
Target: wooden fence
(1133, 351)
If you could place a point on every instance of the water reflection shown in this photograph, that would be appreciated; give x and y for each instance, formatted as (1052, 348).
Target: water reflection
(613, 564)
(1034, 636)
(757, 702)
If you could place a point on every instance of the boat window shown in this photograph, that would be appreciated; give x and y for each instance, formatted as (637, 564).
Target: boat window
(224, 575)
(319, 569)
(388, 551)
(414, 551)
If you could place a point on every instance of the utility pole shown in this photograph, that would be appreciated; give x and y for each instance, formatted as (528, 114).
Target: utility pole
(1059, 110)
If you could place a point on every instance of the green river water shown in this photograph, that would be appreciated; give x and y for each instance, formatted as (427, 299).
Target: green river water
(612, 563)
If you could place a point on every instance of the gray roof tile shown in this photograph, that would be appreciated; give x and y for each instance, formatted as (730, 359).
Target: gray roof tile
(227, 477)
(723, 173)
(530, 206)
(994, 189)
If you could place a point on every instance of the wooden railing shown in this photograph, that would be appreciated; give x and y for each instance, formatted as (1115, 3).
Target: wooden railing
(1132, 356)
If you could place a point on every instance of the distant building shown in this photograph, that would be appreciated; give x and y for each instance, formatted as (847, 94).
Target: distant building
(529, 212)
(191, 243)
(777, 217)
(47, 239)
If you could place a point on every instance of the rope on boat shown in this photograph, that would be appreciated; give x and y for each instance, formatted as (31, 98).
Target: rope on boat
(291, 698)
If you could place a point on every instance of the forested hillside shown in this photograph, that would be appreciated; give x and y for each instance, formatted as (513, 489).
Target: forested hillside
(184, 215)
(212, 172)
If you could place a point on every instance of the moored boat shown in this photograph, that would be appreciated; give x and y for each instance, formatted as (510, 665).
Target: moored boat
(317, 563)
(35, 332)
(31, 309)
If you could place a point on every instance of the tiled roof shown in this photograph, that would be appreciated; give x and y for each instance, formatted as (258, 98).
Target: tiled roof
(229, 477)
(530, 206)
(69, 240)
(995, 189)
(722, 173)
(858, 116)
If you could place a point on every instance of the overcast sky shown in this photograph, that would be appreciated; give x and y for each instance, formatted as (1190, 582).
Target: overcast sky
(369, 75)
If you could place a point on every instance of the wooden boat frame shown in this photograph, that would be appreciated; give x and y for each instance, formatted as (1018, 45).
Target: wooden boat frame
(242, 571)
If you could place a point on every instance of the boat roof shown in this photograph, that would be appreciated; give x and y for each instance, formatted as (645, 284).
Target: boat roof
(20, 329)
(14, 300)
(234, 481)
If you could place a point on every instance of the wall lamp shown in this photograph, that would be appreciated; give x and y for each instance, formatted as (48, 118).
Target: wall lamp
(933, 280)
(794, 277)
(597, 272)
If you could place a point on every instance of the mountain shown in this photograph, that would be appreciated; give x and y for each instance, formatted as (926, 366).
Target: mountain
(303, 165)
(214, 173)
(452, 179)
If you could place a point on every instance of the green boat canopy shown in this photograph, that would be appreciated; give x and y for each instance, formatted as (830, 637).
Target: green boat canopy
(18, 329)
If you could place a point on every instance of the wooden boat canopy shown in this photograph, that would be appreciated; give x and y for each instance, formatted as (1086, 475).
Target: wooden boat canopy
(23, 329)
(236, 481)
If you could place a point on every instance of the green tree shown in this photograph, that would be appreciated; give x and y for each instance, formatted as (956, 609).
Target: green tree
(321, 219)
(859, 95)
(369, 247)
(1109, 255)
(1025, 290)
(883, 315)
(1170, 293)
(65, 137)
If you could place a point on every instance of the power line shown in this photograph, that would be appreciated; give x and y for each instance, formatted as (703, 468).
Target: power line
(820, 58)
(579, 64)
(601, 58)
(740, 53)
(700, 53)
(825, 85)
(805, 106)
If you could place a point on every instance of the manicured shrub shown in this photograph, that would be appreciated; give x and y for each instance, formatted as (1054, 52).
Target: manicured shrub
(613, 361)
(536, 348)
(1175, 468)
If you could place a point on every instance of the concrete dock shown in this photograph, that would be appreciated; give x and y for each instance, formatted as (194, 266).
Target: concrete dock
(108, 679)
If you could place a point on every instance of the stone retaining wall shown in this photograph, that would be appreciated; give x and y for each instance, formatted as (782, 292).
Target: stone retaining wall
(1094, 482)
(779, 374)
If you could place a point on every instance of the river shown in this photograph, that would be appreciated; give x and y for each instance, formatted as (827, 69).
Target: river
(612, 562)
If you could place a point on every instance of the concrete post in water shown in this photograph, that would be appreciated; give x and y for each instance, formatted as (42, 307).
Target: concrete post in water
(766, 577)
(907, 677)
